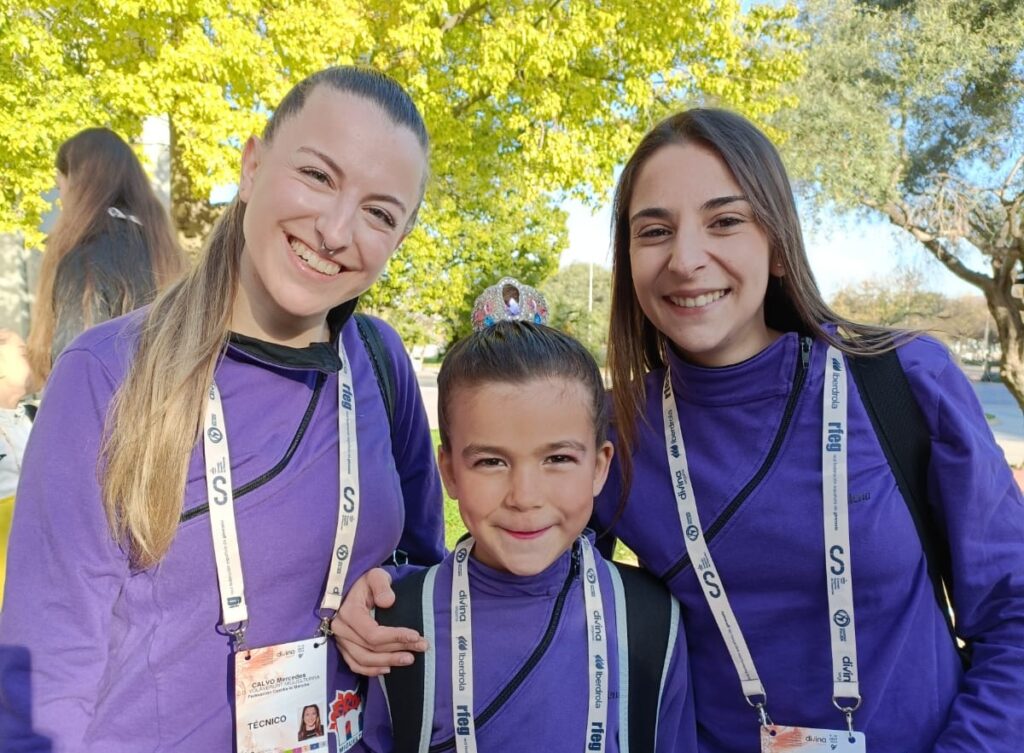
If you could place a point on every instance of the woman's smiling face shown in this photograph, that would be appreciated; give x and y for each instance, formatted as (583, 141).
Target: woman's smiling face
(311, 716)
(699, 259)
(328, 200)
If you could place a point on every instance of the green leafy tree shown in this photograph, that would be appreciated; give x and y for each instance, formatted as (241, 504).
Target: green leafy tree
(966, 318)
(527, 102)
(579, 300)
(897, 301)
(901, 300)
(913, 111)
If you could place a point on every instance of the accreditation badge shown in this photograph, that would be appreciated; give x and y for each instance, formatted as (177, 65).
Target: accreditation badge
(281, 698)
(778, 739)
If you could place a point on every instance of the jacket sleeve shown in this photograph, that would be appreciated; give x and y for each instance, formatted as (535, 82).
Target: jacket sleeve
(980, 506)
(423, 536)
(677, 724)
(64, 571)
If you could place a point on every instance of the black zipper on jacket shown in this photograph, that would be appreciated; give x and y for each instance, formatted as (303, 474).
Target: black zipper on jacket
(281, 464)
(531, 662)
(787, 416)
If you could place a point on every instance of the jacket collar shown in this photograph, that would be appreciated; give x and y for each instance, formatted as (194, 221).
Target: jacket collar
(317, 356)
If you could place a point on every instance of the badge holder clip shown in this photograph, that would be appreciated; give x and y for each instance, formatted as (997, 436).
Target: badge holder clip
(759, 703)
(847, 711)
(324, 630)
(237, 634)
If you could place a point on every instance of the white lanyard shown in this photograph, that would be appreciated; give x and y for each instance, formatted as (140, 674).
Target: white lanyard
(836, 514)
(462, 651)
(837, 545)
(221, 500)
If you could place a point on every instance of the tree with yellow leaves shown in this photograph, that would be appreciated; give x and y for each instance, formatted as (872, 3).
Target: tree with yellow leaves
(527, 102)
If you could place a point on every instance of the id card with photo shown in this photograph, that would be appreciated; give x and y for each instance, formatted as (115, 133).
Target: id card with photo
(778, 739)
(281, 698)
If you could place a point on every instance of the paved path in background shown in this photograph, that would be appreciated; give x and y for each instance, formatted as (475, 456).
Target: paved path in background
(428, 388)
(1006, 419)
(1004, 415)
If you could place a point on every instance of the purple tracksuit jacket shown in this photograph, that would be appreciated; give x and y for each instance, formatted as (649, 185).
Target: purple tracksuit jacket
(96, 656)
(768, 544)
(548, 712)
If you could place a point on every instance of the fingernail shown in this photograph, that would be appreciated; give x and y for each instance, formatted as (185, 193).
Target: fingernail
(405, 660)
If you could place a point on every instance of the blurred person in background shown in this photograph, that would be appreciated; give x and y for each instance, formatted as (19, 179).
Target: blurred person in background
(15, 423)
(112, 248)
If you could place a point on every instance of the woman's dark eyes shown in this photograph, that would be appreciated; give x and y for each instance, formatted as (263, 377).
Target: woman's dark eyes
(719, 223)
(323, 178)
(727, 222)
(383, 216)
(653, 232)
(318, 175)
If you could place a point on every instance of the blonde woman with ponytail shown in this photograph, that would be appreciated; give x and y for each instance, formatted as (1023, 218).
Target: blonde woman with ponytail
(161, 541)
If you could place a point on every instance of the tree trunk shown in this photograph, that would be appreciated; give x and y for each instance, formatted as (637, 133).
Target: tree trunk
(193, 216)
(1006, 311)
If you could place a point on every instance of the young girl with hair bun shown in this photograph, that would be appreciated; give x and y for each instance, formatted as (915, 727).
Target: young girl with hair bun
(536, 641)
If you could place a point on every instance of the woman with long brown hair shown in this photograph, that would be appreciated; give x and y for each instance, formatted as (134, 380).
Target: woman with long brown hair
(112, 249)
(206, 476)
(836, 483)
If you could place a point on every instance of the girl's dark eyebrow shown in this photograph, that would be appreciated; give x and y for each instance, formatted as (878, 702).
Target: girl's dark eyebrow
(566, 444)
(481, 449)
(340, 173)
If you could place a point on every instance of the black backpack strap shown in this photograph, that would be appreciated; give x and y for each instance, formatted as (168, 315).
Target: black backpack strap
(903, 435)
(383, 368)
(651, 622)
(410, 690)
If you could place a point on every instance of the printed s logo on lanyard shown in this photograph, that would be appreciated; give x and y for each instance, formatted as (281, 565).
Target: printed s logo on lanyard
(221, 499)
(835, 509)
(462, 651)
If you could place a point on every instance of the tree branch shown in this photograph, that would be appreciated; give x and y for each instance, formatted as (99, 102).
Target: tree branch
(1009, 180)
(551, 6)
(898, 216)
(460, 109)
(456, 19)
